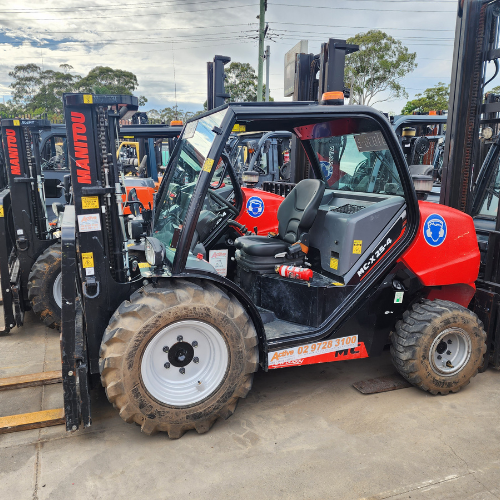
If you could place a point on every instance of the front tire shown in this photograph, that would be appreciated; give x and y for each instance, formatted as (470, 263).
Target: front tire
(178, 357)
(45, 287)
(438, 346)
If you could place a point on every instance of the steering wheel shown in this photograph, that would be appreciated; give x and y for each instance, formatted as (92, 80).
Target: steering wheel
(222, 201)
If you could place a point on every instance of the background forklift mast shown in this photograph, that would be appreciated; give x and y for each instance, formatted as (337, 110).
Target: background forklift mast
(314, 76)
(23, 218)
(216, 94)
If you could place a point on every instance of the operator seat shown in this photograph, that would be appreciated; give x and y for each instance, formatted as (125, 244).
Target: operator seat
(296, 215)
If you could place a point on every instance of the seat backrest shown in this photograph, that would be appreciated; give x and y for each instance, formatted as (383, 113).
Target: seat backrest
(298, 210)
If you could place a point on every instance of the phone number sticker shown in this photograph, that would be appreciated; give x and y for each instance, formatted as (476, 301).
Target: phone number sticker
(293, 355)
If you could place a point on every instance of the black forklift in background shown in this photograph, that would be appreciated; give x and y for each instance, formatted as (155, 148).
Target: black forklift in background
(29, 246)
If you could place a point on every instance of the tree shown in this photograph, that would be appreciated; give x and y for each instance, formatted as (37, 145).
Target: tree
(26, 83)
(377, 67)
(49, 96)
(35, 91)
(433, 98)
(241, 83)
(494, 90)
(171, 113)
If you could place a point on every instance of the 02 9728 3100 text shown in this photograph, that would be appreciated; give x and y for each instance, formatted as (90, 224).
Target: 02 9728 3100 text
(318, 352)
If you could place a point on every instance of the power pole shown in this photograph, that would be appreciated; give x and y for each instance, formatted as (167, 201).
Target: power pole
(262, 22)
(268, 60)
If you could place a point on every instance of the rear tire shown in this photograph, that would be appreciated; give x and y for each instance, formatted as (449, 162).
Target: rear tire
(44, 286)
(218, 347)
(438, 346)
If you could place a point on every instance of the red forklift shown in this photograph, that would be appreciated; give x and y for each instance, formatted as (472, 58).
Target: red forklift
(183, 339)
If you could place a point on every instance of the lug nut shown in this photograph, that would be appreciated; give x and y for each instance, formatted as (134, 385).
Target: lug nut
(167, 365)
(448, 352)
(179, 338)
(195, 344)
(196, 360)
(439, 356)
(166, 348)
(182, 371)
(449, 341)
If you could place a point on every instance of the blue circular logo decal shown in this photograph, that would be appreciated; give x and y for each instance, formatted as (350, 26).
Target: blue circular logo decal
(435, 230)
(255, 206)
(326, 169)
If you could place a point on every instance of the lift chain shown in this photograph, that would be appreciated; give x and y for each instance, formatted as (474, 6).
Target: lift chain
(102, 123)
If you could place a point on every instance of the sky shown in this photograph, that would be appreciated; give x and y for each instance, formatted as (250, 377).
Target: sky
(168, 43)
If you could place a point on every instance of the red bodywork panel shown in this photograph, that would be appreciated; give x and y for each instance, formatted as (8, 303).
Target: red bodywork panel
(455, 261)
(267, 221)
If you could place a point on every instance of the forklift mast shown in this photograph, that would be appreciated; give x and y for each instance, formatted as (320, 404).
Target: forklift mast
(92, 123)
(476, 40)
(23, 218)
(315, 75)
(216, 94)
(95, 225)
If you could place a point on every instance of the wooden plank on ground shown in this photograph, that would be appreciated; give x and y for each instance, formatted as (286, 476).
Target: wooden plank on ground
(31, 380)
(35, 420)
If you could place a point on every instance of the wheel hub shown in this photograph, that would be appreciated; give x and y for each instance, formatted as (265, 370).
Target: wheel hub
(450, 351)
(184, 363)
(181, 354)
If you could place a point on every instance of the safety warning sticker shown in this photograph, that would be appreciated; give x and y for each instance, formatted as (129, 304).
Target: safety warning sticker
(356, 246)
(319, 352)
(87, 259)
(1, 211)
(90, 202)
(334, 263)
(88, 223)
(207, 166)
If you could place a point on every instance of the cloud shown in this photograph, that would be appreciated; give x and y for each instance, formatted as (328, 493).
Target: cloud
(153, 38)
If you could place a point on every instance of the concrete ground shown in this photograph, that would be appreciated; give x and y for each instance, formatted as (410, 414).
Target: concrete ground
(302, 432)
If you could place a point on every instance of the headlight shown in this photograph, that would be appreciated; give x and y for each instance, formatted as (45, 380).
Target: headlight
(155, 251)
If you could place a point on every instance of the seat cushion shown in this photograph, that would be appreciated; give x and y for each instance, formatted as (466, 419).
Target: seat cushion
(261, 246)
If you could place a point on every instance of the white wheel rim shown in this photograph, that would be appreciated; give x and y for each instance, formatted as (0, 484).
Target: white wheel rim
(450, 352)
(57, 290)
(202, 375)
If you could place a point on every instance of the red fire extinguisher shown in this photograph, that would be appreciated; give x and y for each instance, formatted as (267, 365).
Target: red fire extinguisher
(298, 273)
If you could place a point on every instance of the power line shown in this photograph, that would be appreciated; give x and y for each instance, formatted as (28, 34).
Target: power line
(93, 17)
(96, 7)
(355, 8)
(361, 27)
(175, 2)
(108, 7)
(149, 30)
(317, 33)
(142, 40)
